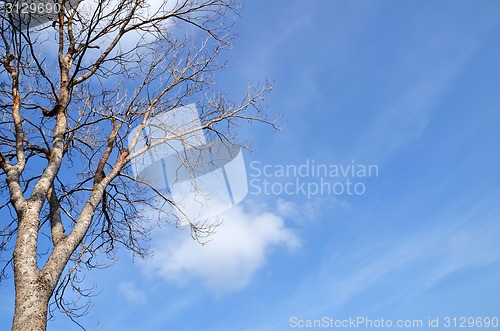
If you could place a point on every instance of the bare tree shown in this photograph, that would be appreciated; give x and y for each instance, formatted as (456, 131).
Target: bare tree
(71, 92)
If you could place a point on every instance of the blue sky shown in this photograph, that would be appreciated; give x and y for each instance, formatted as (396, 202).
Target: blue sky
(410, 86)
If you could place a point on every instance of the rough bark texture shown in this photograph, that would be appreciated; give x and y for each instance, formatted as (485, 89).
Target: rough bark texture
(31, 307)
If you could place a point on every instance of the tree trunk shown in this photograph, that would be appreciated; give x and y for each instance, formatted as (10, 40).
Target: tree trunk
(31, 307)
(32, 290)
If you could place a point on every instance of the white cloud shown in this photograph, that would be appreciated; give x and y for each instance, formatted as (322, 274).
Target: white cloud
(286, 208)
(130, 291)
(232, 256)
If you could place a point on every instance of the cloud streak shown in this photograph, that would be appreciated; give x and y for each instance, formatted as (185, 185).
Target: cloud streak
(132, 293)
(422, 261)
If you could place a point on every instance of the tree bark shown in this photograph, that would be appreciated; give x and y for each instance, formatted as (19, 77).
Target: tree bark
(31, 307)
(32, 290)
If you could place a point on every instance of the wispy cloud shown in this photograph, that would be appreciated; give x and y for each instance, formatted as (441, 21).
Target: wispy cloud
(422, 260)
(407, 115)
(132, 293)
